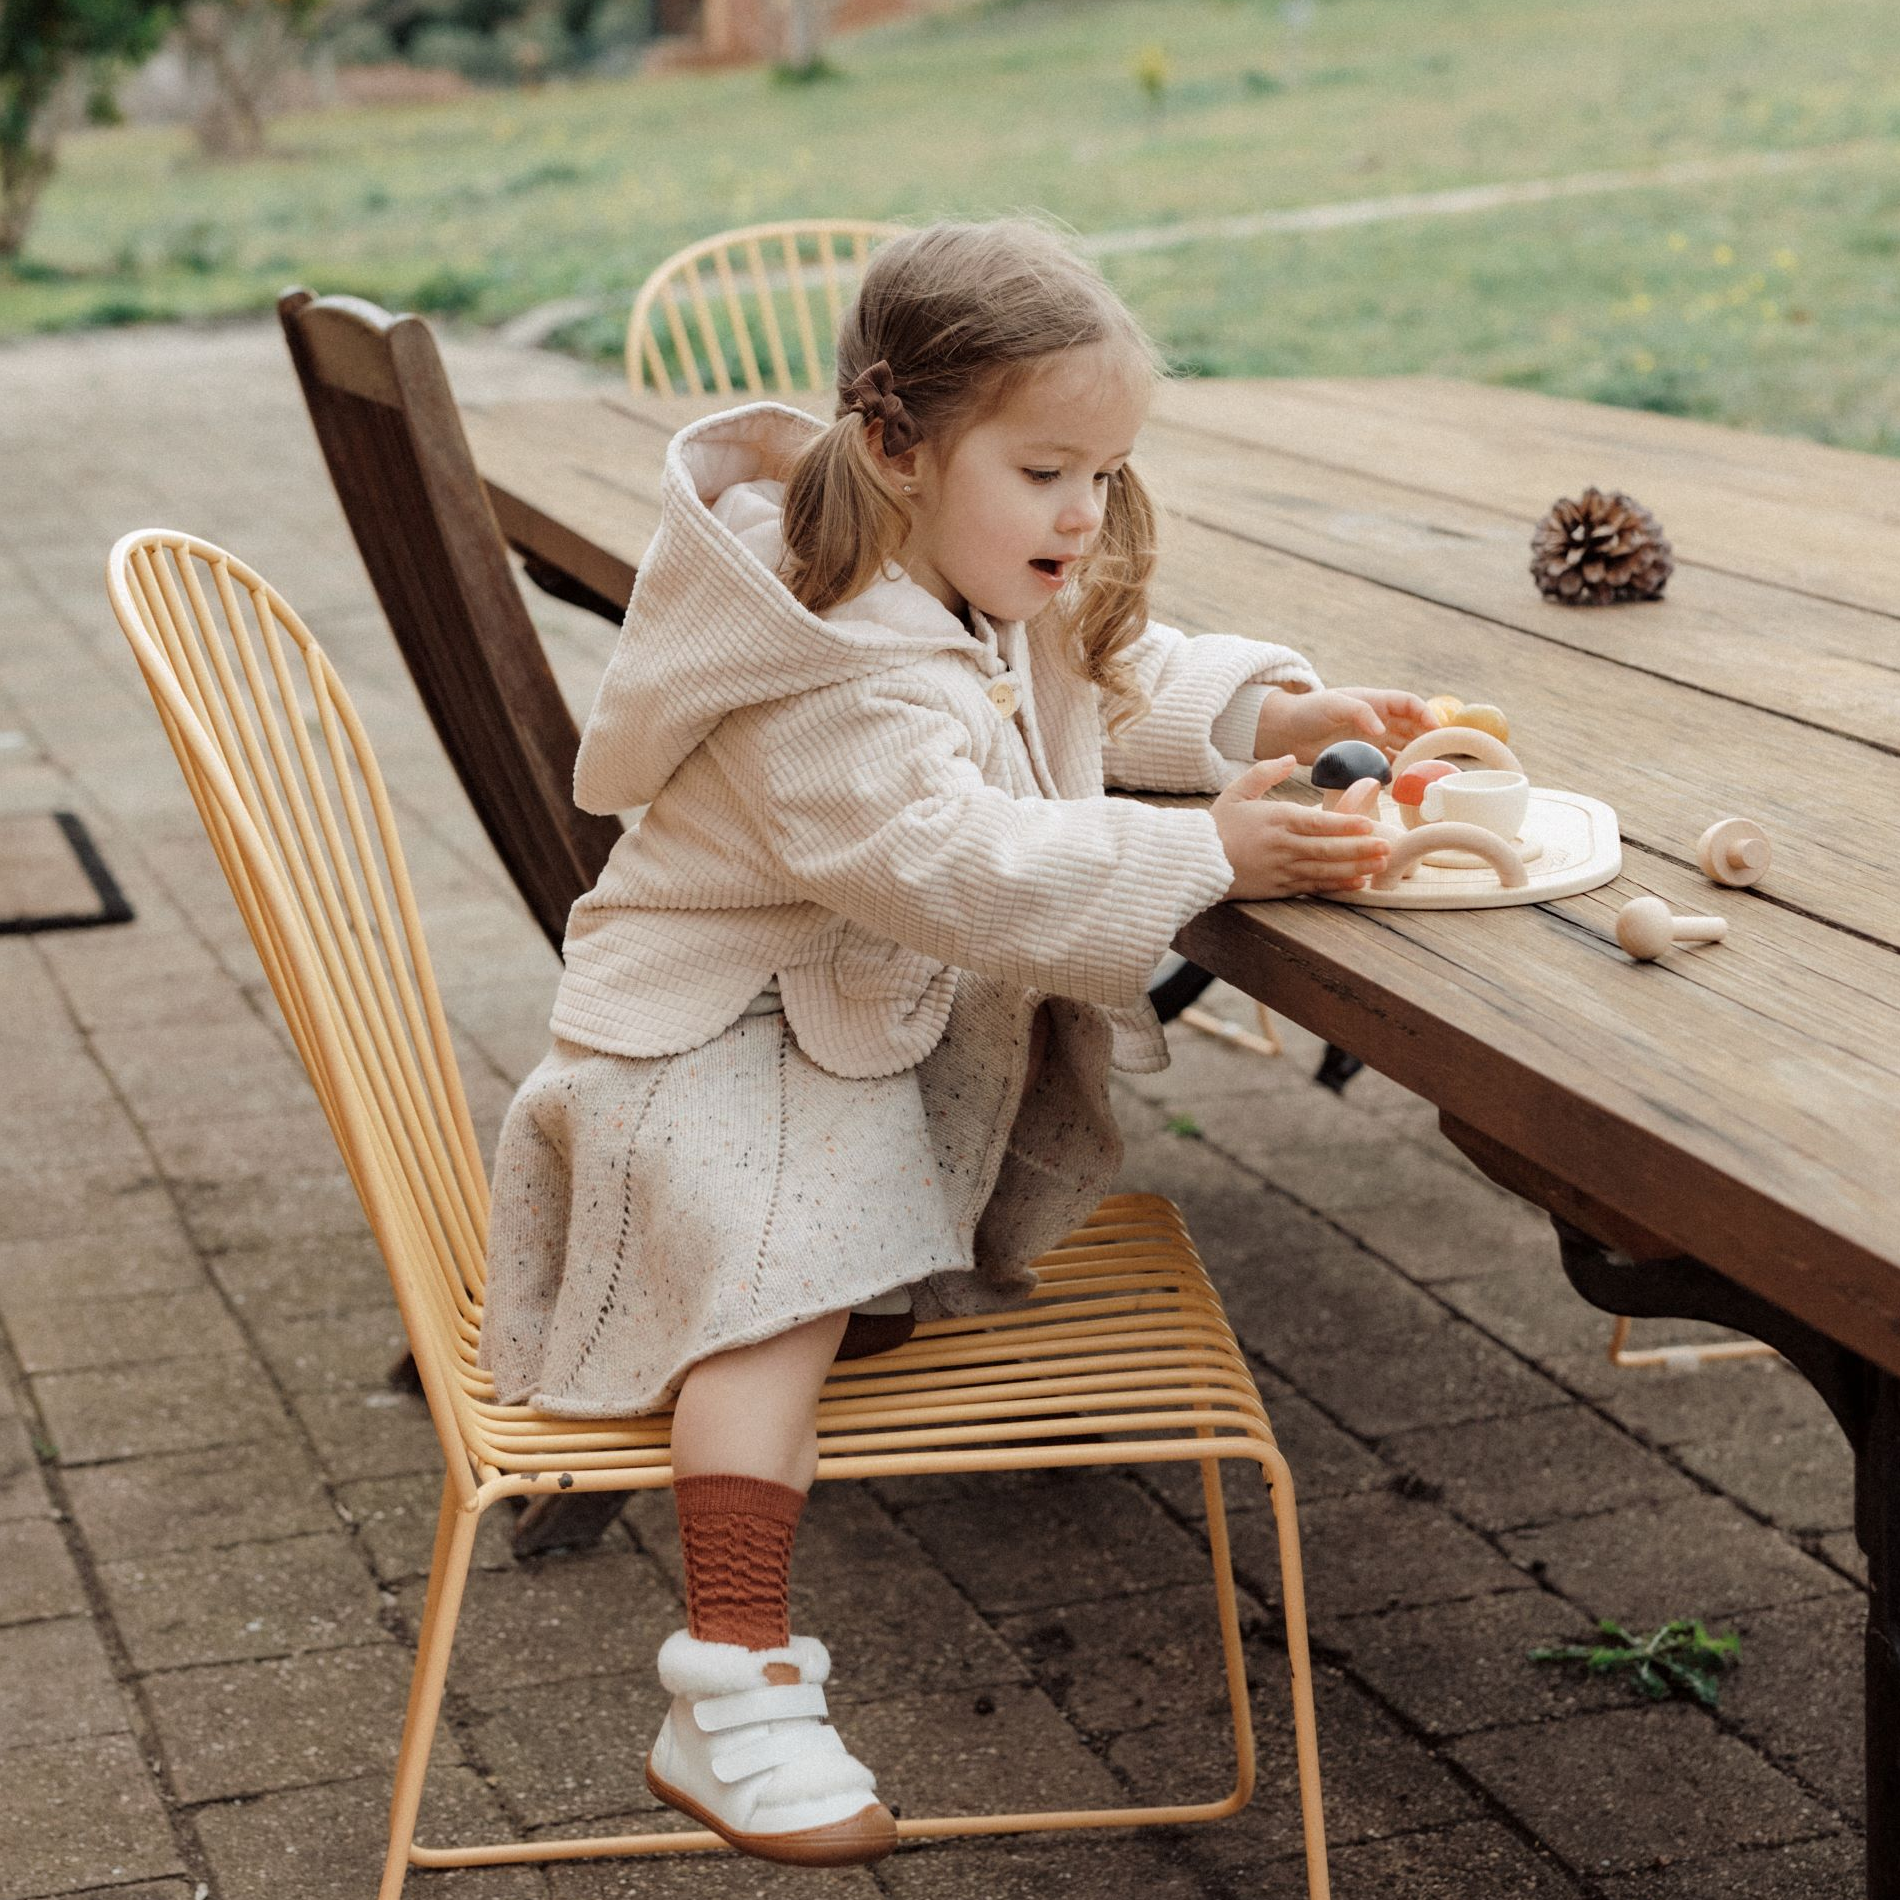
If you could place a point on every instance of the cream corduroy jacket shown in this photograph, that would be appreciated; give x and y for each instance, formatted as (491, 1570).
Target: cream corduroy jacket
(864, 803)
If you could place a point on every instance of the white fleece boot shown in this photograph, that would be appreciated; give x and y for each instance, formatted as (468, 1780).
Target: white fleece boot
(746, 1751)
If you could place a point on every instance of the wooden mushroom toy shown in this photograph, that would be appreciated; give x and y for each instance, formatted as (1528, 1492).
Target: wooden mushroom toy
(1734, 851)
(1646, 927)
(1408, 789)
(1342, 766)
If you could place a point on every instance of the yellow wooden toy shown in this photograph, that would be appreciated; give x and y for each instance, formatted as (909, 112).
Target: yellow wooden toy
(1447, 706)
(1484, 719)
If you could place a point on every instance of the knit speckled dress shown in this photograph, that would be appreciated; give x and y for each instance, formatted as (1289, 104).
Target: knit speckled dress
(793, 1070)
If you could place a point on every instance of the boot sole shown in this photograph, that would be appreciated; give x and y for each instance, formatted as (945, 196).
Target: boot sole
(865, 1837)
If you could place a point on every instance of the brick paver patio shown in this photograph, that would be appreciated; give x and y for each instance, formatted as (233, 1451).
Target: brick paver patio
(215, 1516)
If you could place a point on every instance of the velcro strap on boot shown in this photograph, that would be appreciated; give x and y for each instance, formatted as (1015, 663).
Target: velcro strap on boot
(774, 1751)
(781, 1702)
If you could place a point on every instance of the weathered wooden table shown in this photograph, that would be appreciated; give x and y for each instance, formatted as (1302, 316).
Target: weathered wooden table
(1717, 1135)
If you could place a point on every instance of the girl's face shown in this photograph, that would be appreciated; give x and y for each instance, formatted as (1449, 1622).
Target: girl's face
(999, 522)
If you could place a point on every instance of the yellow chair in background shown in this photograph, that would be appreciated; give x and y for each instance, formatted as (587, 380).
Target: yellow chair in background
(729, 314)
(1124, 1355)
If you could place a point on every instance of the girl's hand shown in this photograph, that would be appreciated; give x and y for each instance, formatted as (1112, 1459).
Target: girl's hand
(1305, 724)
(1280, 850)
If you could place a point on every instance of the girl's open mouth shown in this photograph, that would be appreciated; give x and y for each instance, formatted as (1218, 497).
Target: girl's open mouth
(1052, 572)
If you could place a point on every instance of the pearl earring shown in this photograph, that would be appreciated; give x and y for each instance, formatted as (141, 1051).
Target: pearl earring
(909, 489)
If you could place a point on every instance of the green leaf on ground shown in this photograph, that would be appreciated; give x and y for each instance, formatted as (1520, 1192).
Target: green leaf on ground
(1681, 1658)
(1184, 1125)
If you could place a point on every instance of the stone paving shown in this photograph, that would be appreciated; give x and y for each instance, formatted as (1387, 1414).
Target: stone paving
(215, 1515)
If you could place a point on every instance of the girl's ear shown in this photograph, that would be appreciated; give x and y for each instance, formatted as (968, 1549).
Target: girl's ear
(897, 469)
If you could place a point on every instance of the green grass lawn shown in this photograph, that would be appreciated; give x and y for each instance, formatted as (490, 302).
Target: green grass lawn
(1772, 302)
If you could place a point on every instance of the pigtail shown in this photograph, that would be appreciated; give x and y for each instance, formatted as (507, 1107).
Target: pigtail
(842, 523)
(1111, 607)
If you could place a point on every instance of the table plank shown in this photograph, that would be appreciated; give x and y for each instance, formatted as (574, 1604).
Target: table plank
(1669, 759)
(1807, 546)
(1827, 665)
(1781, 468)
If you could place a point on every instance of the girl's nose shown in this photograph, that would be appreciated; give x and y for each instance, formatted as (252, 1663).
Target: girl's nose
(1080, 517)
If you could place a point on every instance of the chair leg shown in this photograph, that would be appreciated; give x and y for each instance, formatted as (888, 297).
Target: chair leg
(1624, 1356)
(442, 1607)
(1299, 1660)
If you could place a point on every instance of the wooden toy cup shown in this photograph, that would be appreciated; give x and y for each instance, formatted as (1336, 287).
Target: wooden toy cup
(1498, 801)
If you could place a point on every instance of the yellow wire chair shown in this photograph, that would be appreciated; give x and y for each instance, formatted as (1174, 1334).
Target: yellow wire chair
(1124, 1355)
(742, 330)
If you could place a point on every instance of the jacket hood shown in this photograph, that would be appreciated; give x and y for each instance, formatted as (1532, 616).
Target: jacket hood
(711, 628)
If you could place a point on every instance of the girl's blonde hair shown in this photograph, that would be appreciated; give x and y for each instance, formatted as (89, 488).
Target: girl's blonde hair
(965, 314)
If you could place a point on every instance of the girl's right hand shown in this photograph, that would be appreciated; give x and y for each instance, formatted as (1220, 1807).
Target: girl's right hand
(1281, 850)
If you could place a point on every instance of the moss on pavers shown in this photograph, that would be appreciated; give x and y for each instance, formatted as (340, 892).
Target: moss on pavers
(198, 1500)
(1614, 1791)
(242, 1601)
(22, 1489)
(81, 1814)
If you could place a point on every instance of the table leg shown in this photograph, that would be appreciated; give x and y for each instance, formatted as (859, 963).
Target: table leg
(1623, 1269)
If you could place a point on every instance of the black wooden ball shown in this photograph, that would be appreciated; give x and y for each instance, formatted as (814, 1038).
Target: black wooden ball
(1347, 763)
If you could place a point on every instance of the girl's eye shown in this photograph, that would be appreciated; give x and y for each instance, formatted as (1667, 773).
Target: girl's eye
(1042, 474)
(1107, 474)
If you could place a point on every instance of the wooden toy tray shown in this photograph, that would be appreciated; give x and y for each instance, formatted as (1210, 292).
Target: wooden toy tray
(1581, 848)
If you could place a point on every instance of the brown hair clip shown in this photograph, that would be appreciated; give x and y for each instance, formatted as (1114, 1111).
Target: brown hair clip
(873, 396)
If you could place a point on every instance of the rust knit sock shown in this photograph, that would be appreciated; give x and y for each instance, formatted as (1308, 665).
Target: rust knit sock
(736, 1536)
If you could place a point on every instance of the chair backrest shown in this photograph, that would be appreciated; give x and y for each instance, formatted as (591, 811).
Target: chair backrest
(735, 311)
(388, 427)
(287, 785)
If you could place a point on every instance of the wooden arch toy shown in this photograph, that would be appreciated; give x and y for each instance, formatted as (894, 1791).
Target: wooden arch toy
(1465, 740)
(1448, 835)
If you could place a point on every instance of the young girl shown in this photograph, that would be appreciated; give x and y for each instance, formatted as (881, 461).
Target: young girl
(833, 1042)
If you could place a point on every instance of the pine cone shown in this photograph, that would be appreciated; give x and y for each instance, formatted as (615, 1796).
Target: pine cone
(1603, 548)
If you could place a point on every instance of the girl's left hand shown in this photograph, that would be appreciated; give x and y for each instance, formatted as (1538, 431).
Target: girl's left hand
(1305, 724)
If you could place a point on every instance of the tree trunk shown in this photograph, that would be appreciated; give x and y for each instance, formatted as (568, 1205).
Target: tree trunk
(240, 50)
(24, 170)
(805, 22)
